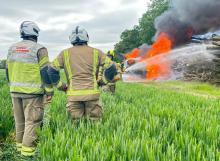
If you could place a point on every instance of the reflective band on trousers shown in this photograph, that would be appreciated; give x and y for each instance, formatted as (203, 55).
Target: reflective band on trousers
(27, 151)
(19, 84)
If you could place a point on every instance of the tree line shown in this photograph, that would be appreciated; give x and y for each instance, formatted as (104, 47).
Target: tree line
(144, 31)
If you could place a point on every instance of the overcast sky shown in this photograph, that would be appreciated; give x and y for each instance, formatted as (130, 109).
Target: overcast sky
(104, 21)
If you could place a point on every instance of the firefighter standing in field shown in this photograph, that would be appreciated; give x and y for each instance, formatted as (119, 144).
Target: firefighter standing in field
(109, 86)
(26, 71)
(81, 65)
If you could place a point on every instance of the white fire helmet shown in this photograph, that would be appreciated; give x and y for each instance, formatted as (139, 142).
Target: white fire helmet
(29, 28)
(79, 36)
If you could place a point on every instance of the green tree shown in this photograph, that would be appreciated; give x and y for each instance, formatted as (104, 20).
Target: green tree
(144, 32)
(146, 23)
(129, 40)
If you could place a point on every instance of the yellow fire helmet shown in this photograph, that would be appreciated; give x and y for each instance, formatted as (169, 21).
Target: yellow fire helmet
(111, 53)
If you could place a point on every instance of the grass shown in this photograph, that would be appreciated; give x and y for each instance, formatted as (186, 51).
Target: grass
(149, 124)
(6, 116)
(140, 122)
(195, 88)
(6, 121)
(2, 77)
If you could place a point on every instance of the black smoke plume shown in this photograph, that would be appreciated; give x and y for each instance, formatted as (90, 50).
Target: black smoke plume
(187, 17)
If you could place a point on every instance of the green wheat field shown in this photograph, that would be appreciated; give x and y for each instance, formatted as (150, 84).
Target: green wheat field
(170, 121)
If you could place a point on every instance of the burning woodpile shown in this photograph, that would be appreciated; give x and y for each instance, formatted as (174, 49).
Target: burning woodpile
(205, 71)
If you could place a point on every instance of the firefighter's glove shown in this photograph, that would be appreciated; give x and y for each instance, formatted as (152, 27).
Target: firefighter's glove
(62, 86)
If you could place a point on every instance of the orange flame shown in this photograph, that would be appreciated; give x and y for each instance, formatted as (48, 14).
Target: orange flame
(133, 54)
(158, 67)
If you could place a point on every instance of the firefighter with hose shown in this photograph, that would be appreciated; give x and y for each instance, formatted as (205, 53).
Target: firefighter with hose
(108, 86)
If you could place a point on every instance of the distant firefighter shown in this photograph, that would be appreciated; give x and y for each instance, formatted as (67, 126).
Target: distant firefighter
(108, 86)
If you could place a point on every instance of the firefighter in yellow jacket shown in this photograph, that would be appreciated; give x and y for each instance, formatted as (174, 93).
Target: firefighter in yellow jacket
(26, 71)
(81, 65)
(109, 86)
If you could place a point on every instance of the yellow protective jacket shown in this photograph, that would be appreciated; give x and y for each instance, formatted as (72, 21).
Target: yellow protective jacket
(24, 65)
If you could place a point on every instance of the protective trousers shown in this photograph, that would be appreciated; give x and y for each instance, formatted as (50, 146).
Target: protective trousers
(28, 114)
(89, 109)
